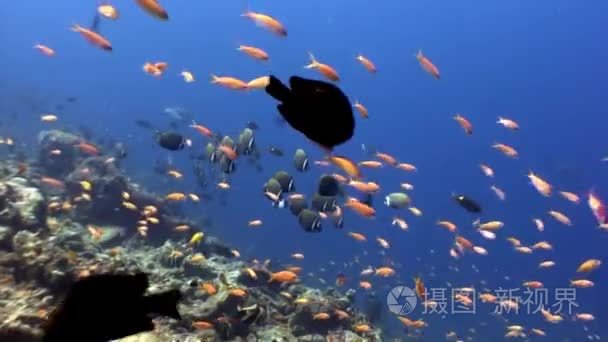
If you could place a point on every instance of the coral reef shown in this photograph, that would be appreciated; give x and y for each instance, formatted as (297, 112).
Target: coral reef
(51, 236)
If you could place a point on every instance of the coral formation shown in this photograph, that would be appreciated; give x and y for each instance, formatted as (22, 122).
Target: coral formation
(52, 235)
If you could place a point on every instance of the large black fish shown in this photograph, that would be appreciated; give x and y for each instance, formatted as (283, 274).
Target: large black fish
(317, 109)
(107, 307)
(171, 141)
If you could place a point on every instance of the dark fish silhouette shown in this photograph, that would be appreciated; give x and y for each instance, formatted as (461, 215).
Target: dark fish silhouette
(144, 124)
(467, 203)
(252, 125)
(317, 109)
(275, 151)
(107, 307)
(171, 141)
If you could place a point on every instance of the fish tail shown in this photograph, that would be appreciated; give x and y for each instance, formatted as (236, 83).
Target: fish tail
(214, 78)
(313, 61)
(75, 27)
(418, 54)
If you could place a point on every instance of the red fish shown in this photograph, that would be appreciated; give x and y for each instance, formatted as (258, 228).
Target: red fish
(427, 65)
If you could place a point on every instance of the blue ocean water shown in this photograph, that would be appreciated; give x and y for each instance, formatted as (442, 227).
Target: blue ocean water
(540, 63)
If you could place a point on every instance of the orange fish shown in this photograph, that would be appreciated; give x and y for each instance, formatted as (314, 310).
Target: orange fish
(267, 22)
(366, 187)
(254, 52)
(45, 50)
(202, 325)
(447, 225)
(175, 196)
(385, 272)
(506, 150)
(560, 217)
(362, 328)
(367, 64)
(464, 243)
(570, 196)
(52, 182)
(373, 164)
(108, 11)
(427, 65)
(487, 170)
(357, 236)
(420, 288)
(360, 207)
(346, 165)
(229, 82)
(93, 37)
(202, 130)
(283, 277)
(87, 148)
(361, 109)
(533, 284)
(228, 151)
(542, 186)
(329, 72)
(153, 8)
(418, 324)
(386, 158)
(407, 167)
(241, 293)
(259, 83)
(341, 179)
(365, 285)
(321, 316)
(161, 66)
(151, 69)
(464, 123)
(508, 123)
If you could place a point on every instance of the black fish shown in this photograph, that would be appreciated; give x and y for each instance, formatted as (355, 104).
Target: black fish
(171, 141)
(286, 181)
(317, 109)
(252, 125)
(467, 203)
(310, 220)
(325, 204)
(275, 151)
(107, 307)
(328, 186)
(297, 205)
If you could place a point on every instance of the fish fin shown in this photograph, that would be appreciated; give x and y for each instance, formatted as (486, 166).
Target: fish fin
(95, 24)
(277, 89)
(164, 303)
(313, 62)
(214, 78)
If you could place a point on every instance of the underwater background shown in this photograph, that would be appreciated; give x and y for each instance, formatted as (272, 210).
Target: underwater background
(541, 63)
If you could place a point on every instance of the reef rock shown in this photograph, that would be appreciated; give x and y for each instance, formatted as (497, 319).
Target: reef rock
(57, 165)
(21, 206)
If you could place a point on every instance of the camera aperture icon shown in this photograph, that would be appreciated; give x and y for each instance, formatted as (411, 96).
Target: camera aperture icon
(401, 300)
